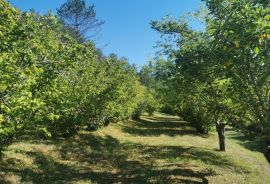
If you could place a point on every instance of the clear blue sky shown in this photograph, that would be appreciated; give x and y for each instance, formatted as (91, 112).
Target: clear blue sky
(126, 31)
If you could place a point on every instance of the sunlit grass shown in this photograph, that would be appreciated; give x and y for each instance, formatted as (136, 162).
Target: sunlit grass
(159, 149)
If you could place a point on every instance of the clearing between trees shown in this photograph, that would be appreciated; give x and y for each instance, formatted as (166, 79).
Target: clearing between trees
(157, 149)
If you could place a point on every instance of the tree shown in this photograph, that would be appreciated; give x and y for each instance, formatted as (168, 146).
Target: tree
(52, 85)
(223, 70)
(28, 71)
(79, 18)
(243, 55)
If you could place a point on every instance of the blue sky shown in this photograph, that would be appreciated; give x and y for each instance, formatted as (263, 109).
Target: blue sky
(126, 31)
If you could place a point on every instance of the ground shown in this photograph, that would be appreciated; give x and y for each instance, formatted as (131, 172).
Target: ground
(159, 149)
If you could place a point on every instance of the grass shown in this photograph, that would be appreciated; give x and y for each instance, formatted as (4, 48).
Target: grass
(159, 149)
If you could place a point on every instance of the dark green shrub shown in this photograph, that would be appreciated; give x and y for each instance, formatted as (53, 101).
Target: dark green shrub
(198, 119)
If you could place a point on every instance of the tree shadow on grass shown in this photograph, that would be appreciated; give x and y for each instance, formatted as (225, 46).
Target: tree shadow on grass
(105, 160)
(106, 154)
(154, 118)
(146, 127)
(157, 123)
(158, 132)
(249, 142)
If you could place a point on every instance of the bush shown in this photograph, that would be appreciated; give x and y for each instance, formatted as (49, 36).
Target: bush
(197, 118)
(148, 104)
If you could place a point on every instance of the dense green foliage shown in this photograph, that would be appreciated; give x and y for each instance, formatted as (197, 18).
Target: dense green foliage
(51, 84)
(245, 57)
(220, 75)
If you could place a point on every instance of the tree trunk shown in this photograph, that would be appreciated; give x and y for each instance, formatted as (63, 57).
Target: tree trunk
(220, 127)
(267, 154)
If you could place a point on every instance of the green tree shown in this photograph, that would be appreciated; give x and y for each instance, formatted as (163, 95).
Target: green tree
(243, 54)
(51, 84)
(223, 71)
(28, 72)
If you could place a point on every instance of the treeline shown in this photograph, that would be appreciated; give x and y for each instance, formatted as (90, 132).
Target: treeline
(220, 75)
(53, 82)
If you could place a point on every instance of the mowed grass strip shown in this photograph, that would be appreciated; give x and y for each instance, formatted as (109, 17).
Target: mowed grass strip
(158, 149)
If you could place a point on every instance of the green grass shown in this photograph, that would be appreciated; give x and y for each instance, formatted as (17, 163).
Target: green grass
(159, 149)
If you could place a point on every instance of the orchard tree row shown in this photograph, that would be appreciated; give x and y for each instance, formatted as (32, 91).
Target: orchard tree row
(219, 75)
(53, 82)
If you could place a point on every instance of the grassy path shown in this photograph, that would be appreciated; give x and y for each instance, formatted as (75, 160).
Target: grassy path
(159, 149)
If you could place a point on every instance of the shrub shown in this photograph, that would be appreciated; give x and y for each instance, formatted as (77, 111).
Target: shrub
(197, 118)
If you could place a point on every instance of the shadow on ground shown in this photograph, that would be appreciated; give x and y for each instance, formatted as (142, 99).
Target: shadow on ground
(249, 142)
(103, 159)
(153, 126)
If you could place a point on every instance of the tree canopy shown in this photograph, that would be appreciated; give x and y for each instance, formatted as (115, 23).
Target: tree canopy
(53, 85)
(221, 74)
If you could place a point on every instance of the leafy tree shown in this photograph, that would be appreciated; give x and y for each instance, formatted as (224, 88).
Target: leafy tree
(28, 71)
(51, 85)
(224, 70)
(244, 53)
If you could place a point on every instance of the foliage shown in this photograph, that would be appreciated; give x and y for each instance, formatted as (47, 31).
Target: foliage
(52, 85)
(28, 71)
(245, 54)
(148, 103)
(151, 102)
(220, 74)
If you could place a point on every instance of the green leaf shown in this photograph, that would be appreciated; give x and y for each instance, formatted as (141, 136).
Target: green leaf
(264, 79)
(256, 50)
(45, 132)
(1, 118)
